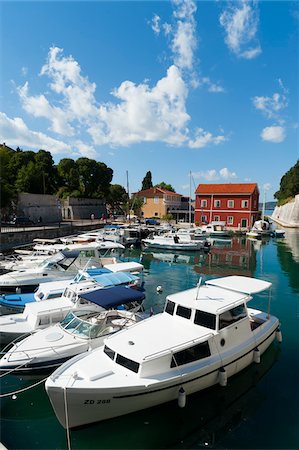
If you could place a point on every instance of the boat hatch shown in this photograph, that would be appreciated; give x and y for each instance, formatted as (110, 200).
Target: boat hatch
(237, 283)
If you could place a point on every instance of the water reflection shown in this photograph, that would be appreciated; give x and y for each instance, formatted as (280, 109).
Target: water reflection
(237, 258)
(288, 256)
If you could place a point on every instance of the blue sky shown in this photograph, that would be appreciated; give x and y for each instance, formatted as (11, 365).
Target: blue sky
(209, 87)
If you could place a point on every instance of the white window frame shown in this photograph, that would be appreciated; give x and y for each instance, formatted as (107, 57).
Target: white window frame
(217, 203)
(204, 219)
(230, 220)
(156, 200)
(203, 203)
(244, 203)
(230, 203)
(144, 200)
(216, 218)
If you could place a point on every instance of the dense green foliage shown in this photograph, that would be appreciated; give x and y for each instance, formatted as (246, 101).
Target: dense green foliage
(165, 186)
(147, 181)
(36, 173)
(289, 185)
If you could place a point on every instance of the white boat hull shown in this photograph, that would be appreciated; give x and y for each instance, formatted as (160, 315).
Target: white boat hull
(76, 406)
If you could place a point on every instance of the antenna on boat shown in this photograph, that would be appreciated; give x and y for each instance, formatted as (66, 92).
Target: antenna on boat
(198, 286)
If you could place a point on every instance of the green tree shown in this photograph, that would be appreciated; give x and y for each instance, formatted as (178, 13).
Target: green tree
(69, 177)
(147, 181)
(289, 184)
(165, 186)
(136, 204)
(95, 177)
(48, 172)
(117, 198)
(7, 188)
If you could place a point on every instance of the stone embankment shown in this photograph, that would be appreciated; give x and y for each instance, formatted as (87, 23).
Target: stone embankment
(287, 215)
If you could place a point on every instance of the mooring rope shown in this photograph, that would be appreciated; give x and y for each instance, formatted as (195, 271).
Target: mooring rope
(19, 391)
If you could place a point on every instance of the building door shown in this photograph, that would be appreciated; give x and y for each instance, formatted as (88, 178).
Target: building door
(243, 223)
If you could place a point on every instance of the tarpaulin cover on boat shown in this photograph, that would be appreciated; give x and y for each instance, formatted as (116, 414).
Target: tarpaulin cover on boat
(112, 297)
(97, 271)
(114, 278)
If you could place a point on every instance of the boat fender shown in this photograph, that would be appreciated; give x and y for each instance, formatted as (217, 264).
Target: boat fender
(132, 246)
(159, 289)
(182, 398)
(222, 377)
(278, 335)
(256, 356)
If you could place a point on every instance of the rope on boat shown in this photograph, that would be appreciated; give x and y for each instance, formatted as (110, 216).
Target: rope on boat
(19, 391)
(68, 437)
(15, 368)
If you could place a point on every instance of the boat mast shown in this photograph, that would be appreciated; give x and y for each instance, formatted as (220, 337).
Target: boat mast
(128, 192)
(264, 204)
(190, 201)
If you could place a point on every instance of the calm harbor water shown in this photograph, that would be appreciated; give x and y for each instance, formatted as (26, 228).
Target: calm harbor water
(259, 409)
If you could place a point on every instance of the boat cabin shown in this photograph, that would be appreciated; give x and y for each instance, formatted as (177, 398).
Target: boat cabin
(196, 324)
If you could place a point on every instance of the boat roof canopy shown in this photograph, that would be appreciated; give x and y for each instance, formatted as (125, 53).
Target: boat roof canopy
(236, 283)
(113, 297)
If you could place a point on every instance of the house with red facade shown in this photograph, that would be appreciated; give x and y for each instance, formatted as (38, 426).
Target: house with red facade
(236, 204)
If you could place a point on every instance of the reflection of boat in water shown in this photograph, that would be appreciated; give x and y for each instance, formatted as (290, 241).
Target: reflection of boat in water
(171, 258)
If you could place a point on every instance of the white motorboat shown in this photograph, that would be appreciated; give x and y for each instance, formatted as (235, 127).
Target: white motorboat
(39, 315)
(261, 228)
(63, 265)
(102, 277)
(214, 229)
(204, 336)
(80, 331)
(278, 233)
(175, 242)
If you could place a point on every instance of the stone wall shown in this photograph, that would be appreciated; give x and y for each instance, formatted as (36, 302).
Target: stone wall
(36, 206)
(287, 215)
(83, 208)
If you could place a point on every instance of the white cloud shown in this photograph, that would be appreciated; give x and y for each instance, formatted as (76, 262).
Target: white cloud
(213, 175)
(240, 22)
(270, 106)
(274, 134)
(155, 24)
(137, 112)
(16, 133)
(204, 138)
(212, 87)
(225, 173)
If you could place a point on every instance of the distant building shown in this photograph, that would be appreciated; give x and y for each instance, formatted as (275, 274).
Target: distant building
(236, 204)
(158, 202)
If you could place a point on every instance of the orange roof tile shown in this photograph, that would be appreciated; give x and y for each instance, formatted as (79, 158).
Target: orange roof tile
(155, 191)
(226, 188)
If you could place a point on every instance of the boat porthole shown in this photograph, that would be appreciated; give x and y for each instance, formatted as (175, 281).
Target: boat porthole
(222, 342)
(131, 343)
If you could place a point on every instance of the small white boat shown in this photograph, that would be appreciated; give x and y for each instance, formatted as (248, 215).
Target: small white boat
(80, 331)
(261, 228)
(204, 336)
(277, 233)
(175, 242)
(39, 315)
(214, 229)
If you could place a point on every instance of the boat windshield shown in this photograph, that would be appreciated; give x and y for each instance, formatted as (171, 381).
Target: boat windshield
(83, 328)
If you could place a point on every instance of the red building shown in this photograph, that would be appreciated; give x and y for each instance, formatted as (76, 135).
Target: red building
(234, 204)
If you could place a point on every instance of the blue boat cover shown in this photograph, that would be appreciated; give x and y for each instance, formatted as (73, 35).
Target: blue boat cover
(97, 271)
(16, 299)
(113, 297)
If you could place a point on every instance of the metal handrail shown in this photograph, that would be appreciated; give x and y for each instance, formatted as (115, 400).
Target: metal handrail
(176, 347)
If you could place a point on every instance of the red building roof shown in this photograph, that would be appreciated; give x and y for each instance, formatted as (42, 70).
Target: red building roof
(226, 188)
(155, 191)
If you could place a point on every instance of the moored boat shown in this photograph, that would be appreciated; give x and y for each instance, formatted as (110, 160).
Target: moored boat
(204, 336)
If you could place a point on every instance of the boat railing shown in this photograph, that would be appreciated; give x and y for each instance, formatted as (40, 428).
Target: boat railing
(178, 346)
